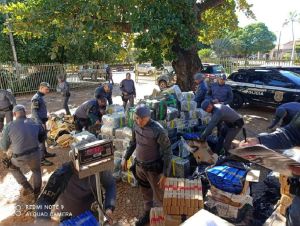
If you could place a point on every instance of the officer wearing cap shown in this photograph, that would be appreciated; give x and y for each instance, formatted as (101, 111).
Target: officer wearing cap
(153, 159)
(40, 115)
(63, 87)
(284, 138)
(219, 92)
(104, 90)
(22, 136)
(286, 113)
(7, 102)
(90, 113)
(231, 123)
(201, 90)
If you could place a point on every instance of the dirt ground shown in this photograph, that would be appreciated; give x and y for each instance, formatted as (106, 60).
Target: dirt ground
(129, 202)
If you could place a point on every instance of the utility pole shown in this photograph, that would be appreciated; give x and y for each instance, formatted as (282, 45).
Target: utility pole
(11, 38)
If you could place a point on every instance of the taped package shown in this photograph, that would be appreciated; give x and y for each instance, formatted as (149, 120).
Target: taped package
(116, 120)
(174, 90)
(188, 115)
(121, 144)
(188, 105)
(117, 173)
(108, 130)
(65, 140)
(130, 117)
(180, 167)
(158, 107)
(182, 196)
(188, 96)
(124, 133)
(172, 113)
(157, 216)
(114, 108)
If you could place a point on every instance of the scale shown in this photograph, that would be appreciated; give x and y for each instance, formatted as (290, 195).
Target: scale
(90, 158)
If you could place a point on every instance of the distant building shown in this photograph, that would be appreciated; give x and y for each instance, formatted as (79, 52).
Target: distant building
(284, 49)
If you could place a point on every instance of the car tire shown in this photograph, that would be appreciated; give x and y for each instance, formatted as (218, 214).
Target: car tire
(162, 84)
(238, 101)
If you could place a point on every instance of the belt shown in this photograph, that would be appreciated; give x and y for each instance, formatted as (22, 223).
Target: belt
(25, 152)
(236, 124)
(141, 163)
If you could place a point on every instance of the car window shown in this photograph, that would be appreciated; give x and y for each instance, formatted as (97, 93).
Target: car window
(291, 76)
(276, 79)
(257, 77)
(217, 69)
(207, 69)
(240, 77)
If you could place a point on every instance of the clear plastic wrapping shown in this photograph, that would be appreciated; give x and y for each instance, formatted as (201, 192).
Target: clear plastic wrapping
(172, 113)
(116, 120)
(188, 105)
(124, 133)
(188, 96)
(176, 90)
(114, 108)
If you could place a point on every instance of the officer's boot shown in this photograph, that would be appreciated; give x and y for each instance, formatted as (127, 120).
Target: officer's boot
(144, 220)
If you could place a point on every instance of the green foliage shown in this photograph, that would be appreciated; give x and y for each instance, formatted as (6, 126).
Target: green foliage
(205, 53)
(253, 38)
(223, 47)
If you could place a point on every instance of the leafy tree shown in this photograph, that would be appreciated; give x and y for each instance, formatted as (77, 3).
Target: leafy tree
(223, 47)
(254, 38)
(163, 29)
(205, 53)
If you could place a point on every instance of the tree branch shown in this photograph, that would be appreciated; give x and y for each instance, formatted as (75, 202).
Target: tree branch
(208, 4)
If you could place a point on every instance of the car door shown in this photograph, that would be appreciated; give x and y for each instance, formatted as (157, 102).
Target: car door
(278, 88)
(256, 86)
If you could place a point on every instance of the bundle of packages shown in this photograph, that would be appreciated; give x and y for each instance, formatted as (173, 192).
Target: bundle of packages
(227, 178)
(180, 167)
(114, 108)
(193, 123)
(184, 149)
(163, 123)
(188, 115)
(65, 140)
(204, 116)
(124, 133)
(186, 105)
(117, 173)
(172, 113)
(130, 117)
(108, 131)
(159, 108)
(174, 90)
(115, 120)
(188, 96)
(121, 144)
(157, 216)
(182, 196)
(171, 100)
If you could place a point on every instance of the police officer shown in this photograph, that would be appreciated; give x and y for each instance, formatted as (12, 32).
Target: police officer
(286, 113)
(73, 194)
(63, 87)
(153, 159)
(128, 91)
(220, 93)
(39, 114)
(232, 122)
(284, 138)
(104, 90)
(201, 89)
(7, 102)
(90, 113)
(22, 136)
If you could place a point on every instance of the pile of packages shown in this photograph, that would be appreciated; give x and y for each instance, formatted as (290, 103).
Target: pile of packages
(60, 128)
(229, 193)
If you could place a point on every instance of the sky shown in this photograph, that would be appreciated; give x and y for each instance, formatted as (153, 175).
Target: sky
(273, 13)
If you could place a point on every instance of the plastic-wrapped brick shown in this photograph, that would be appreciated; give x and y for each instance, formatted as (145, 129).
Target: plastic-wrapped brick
(159, 108)
(180, 167)
(116, 120)
(174, 90)
(124, 133)
(130, 117)
(114, 108)
(108, 130)
(172, 113)
(188, 96)
(188, 105)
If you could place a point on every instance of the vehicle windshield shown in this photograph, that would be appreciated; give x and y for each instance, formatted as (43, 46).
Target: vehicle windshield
(218, 69)
(291, 76)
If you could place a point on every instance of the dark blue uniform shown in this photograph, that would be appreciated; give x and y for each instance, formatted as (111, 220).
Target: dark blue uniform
(99, 92)
(223, 93)
(7, 101)
(64, 89)
(39, 108)
(201, 93)
(286, 112)
(284, 138)
(74, 194)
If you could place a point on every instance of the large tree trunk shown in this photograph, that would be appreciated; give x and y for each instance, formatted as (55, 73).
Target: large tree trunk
(186, 65)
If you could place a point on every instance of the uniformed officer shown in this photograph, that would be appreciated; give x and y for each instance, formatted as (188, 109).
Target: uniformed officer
(90, 113)
(201, 90)
(220, 93)
(63, 87)
(40, 115)
(128, 91)
(22, 136)
(104, 90)
(153, 159)
(286, 113)
(232, 122)
(7, 102)
(73, 194)
(284, 138)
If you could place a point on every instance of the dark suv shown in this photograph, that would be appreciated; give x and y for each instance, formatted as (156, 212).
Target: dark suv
(270, 87)
(211, 71)
(295, 69)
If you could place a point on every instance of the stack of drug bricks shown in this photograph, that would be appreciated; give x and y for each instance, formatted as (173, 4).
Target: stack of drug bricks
(157, 216)
(286, 198)
(182, 197)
